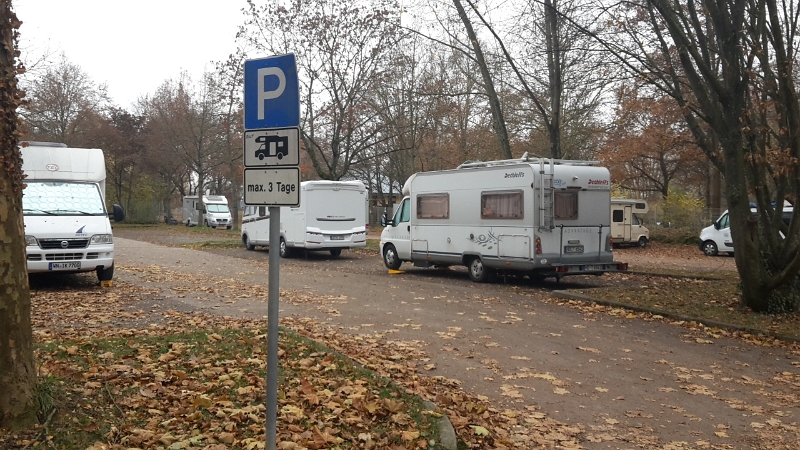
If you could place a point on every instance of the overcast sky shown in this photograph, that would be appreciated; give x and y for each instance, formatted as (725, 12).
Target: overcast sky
(132, 46)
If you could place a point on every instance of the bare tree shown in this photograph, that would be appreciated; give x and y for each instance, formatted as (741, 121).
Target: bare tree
(342, 50)
(60, 102)
(17, 373)
(729, 66)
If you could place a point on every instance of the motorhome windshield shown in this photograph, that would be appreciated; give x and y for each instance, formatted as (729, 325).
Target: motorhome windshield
(216, 208)
(62, 199)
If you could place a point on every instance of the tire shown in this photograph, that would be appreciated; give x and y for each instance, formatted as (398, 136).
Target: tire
(710, 248)
(643, 242)
(247, 244)
(477, 271)
(336, 252)
(205, 222)
(229, 227)
(105, 274)
(283, 250)
(188, 221)
(390, 258)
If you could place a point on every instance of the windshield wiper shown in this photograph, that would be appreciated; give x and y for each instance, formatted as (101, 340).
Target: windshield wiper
(39, 210)
(54, 211)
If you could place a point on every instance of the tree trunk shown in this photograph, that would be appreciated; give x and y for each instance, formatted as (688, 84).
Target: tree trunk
(498, 121)
(17, 374)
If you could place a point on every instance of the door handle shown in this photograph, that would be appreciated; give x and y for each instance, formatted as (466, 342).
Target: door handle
(409, 228)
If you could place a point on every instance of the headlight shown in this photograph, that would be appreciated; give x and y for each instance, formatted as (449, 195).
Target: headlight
(101, 239)
(31, 240)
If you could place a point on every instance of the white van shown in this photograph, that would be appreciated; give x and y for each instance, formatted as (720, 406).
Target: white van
(716, 237)
(537, 217)
(332, 216)
(64, 210)
(627, 228)
(216, 213)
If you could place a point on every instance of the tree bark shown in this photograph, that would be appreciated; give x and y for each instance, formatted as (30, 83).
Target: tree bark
(17, 373)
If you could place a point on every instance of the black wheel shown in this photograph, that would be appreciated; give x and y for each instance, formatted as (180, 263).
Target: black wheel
(710, 248)
(105, 274)
(477, 272)
(188, 221)
(336, 252)
(390, 257)
(229, 227)
(205, 222)
(643, 242)
(283, 249)
(246, 242)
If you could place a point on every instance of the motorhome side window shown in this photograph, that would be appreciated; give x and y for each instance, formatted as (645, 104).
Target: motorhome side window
(565, 205)
(403, 213)
(433, 206)
(618, 215)
(502, 205)
(724, 221)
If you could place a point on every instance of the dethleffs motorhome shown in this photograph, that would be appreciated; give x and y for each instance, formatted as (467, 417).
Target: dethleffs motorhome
(66, 221)
(215, 213)
(539, 217)
(627, 227)
(332, 216)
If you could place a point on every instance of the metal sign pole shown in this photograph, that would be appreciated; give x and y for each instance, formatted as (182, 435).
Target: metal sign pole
(272, 325)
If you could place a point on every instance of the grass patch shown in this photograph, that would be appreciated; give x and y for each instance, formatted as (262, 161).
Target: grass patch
(191, 390)
(715, 299)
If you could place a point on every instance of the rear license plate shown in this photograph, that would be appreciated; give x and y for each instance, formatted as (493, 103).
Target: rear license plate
(337, 238)
(573, 249)
(593, 267)
(74, 265)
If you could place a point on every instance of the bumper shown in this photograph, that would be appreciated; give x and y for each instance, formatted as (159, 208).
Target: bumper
(331, 241)
(69, 260)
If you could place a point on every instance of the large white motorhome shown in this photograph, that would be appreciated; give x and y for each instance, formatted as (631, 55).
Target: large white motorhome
(538, 217)
(64, 207)
(215, 213)
(332, 216)
(627, 228)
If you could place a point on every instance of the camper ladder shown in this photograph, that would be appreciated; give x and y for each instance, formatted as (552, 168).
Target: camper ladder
(546, 197)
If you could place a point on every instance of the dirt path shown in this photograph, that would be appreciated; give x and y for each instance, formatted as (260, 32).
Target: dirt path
(623, 381)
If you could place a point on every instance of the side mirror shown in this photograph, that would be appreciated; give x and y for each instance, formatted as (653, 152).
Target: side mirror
(118, 214)
(384, 220)
(716, 225)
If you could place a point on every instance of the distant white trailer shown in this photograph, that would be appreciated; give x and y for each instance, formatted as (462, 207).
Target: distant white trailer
(536, 217)
(627, 228)
(332, 216)
(215, 213)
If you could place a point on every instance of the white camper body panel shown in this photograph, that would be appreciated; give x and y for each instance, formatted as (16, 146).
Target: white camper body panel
(626, 227)
(217, 214)
(533, 216)
(66, 222)
(332, 216)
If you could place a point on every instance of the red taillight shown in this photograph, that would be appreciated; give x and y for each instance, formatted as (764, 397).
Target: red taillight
(562, 269)
(538, 246)
(622, 266)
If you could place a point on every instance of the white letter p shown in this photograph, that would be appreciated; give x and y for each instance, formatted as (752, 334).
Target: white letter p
(268, 95)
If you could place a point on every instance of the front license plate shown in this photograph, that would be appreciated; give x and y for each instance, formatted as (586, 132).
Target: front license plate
(573, 249)
(593, 267)
(74, 265)
(337, 238)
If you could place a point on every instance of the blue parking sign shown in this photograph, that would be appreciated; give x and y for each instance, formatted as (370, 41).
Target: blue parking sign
(271, 93)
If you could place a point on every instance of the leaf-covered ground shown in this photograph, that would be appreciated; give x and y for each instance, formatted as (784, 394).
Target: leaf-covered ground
(119, 372)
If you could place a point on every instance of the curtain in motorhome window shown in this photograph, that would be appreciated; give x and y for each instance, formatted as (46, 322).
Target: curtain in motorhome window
(565, 205)
(433, 206)
(617, 216)
(502, 205)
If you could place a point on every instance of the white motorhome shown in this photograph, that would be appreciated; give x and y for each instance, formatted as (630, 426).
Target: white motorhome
(215, 213)
(64, 207)
(332, 216)
(538, 217)
(627, 228)
(717, 238)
